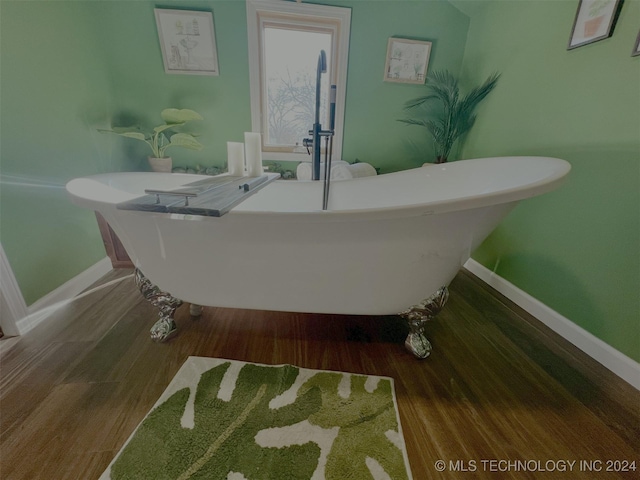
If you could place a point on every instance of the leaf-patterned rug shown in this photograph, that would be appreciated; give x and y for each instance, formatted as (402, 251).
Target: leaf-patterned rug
(230, 420)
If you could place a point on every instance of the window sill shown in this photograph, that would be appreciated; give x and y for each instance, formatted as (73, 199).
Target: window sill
(286, 157)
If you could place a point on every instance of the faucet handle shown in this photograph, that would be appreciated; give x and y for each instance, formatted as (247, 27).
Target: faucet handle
(307, 142)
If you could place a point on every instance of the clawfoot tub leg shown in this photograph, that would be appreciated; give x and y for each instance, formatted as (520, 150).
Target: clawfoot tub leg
(165, 327)
(417, 318)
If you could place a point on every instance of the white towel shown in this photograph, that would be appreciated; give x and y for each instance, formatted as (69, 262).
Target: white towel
(304, 170)
(340, 170)
(362, 169)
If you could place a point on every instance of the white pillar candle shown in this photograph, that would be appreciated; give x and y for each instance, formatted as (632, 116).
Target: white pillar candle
(235, 158)
(253, 152)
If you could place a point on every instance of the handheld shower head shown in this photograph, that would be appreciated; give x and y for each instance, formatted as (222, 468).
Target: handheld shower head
(322, 68)
(322, 62)
(316, 131)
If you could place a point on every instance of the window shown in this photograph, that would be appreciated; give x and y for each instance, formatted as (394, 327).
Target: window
(285, 40)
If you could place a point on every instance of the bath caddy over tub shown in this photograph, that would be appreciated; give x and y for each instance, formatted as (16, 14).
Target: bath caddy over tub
(386, 245)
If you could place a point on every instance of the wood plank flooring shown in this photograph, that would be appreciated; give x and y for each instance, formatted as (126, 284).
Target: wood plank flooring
(498, 388)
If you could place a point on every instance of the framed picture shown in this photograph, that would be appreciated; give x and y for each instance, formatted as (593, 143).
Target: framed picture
(188, 42)
(594, 21)
(407, 60)
(636, 47)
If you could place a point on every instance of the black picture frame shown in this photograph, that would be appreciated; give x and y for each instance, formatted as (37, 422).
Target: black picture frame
(594, 21)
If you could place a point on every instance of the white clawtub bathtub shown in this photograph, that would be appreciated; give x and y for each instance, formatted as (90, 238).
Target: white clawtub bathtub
(385, 244)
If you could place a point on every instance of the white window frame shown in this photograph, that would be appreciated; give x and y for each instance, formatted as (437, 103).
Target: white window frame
(261, 12)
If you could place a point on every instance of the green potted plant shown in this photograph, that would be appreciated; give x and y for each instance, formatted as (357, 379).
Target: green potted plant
(159, 140)
(444, 112)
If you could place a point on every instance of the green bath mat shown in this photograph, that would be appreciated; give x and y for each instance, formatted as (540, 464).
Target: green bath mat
(230, 420)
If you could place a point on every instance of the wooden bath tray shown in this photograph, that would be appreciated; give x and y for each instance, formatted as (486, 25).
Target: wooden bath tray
(210, 197)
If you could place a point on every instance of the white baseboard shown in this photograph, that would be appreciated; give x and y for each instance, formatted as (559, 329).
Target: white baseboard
(11, 299)
(45, 306)
(623, 366)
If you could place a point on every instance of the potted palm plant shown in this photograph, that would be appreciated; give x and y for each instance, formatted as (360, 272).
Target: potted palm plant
(159, 139)
(444, 112)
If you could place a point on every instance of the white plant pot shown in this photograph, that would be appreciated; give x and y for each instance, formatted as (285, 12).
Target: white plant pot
(160, 164)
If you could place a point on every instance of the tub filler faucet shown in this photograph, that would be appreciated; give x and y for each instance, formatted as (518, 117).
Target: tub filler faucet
(317, 132)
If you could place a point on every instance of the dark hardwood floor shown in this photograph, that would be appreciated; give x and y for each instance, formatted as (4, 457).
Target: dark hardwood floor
(498, 388)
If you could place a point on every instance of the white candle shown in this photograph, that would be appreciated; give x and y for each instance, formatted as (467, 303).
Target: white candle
(235, 158)
(253, 152)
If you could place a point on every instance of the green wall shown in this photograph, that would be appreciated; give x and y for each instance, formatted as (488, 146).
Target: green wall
(131, 53)
(52, 86)
(372, 132)
(577, 249)
(69, 67)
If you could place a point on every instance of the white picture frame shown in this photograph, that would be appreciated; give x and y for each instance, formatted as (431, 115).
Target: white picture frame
(407, 60)
(188, 42)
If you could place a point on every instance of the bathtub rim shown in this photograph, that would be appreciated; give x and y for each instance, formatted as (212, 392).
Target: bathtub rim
(504, 195)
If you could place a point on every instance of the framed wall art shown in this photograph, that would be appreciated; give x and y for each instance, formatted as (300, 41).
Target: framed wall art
(407, 60)
(188, 42)
(594, 21)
